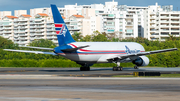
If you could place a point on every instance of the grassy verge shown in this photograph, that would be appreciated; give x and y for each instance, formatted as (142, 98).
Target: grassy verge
(162, 75)
(55, 63)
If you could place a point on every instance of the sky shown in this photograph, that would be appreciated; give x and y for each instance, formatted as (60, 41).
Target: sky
(11, 5)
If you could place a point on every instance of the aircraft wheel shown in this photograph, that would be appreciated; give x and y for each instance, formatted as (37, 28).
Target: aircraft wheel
(81, 68)
(114, 68)
(88, 68)
(119, 68)
(136, 67)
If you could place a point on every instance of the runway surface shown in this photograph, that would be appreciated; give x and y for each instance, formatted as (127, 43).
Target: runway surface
(58, 84)
(56, 88)
(94, 72)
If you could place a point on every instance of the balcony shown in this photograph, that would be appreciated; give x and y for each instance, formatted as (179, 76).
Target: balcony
(53, 33)
(40, 26)
(152, 17)
(22, 20)
(175, 21)
(23, 35)
(22, 23)
(7, 27)
(164, 21)
(39, 30)
(7, 31)
(153, 30)
(175, 17)
(50, 22)
(154, 36)
(175, 26)
(49, 26)
(164, 26)
(129, 16)
(175, 30)
(153, 26)
(39, 34)
(22, 27)
(22, 42)
(23, 38)
(152, 21)
(50, 30)
(21, 31)
(40, 23)
(51, 37)
(165, 30)
(175, 34)
(165, 17)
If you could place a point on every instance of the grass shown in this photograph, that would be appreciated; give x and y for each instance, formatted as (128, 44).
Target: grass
(162, 75)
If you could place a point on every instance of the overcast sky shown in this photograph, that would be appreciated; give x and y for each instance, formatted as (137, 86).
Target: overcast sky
(11, 5)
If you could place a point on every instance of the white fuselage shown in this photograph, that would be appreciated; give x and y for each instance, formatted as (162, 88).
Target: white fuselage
(99, 52)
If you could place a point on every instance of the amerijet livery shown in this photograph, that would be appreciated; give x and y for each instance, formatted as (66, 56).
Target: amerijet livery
(88, 53)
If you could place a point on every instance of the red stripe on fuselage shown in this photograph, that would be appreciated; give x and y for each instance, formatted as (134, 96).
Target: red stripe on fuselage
(90, 53)
(84, 50)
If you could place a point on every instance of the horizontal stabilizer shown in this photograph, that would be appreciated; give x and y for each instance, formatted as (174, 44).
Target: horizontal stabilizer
(26, 51)
(51, 49)
(74, 49)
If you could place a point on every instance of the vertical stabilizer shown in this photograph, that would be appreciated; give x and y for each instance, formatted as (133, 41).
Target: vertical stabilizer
(63, 35)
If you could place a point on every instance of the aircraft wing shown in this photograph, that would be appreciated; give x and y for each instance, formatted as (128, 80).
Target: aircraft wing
(51, 49)
(27, 51)
(140, 54)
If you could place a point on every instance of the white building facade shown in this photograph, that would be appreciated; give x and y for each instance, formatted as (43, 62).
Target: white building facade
(161, 22)
(122, 21)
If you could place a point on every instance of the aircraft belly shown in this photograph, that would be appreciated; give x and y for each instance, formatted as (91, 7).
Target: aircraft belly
(84, 57)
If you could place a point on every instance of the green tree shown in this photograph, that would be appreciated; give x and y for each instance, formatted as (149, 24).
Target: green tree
(87, 38)
(43, 43)
(77, 36)
(5, 43)
(98, 37)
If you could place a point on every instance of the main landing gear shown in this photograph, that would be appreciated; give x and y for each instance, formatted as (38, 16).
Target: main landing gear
(83, 68)
(118, 68)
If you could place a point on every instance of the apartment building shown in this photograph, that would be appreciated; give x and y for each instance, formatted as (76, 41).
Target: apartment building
(7, 26)
(120, 21)
(24, 29)
(161, 22)
(5, 13)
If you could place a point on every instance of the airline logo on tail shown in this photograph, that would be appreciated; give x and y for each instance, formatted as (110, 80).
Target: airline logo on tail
(60, 29)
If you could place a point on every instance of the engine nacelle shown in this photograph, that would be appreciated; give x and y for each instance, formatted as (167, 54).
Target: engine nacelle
(141, 61)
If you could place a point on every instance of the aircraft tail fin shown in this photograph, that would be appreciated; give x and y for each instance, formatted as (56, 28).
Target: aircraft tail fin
(63, 34)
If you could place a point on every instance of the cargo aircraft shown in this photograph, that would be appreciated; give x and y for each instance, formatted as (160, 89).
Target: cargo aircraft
(88, 53)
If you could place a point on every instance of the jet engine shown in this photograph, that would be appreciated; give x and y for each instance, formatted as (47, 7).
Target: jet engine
(141, 61)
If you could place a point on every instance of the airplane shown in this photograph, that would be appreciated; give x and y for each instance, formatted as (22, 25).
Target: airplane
(88, 53)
